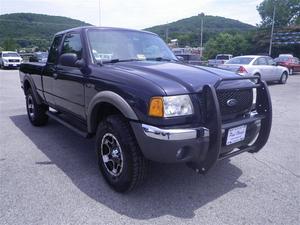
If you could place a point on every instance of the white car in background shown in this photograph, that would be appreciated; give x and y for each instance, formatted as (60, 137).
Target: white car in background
(10, 59)
(254, 65)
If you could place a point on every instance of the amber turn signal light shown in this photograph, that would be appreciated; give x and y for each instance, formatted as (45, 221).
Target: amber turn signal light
(156, 108)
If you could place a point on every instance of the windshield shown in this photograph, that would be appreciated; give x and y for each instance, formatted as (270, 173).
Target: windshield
(283, 59)
(240, 60)
(10, 54)
(108, 45)
(222, 57)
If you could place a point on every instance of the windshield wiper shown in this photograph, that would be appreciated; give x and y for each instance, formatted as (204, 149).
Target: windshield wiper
(162, 59)
(119, 60)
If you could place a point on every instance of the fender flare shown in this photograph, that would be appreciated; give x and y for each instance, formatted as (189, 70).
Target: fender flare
(28, 79)
(111, 98)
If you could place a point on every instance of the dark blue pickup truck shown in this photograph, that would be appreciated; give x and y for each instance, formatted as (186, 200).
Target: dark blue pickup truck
(128, 90)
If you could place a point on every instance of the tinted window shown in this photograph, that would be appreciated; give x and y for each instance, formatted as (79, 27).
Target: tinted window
(261, 61)
(72, 44)
(283, 59)
(53, 53)
(222, 57)
(240, 60)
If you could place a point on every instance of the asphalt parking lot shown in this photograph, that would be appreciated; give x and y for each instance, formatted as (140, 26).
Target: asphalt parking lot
(49, 175)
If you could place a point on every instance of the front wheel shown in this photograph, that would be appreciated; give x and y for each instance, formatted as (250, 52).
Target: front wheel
(119, 157)
(36, 113)
(283, 78)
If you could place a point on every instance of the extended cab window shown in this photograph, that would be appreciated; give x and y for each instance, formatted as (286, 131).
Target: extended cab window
(72, 44)
(53, 53)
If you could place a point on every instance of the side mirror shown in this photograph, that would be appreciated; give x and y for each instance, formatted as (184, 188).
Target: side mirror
(68, 59)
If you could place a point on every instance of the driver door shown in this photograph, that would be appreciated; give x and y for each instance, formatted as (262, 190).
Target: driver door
(68, 85)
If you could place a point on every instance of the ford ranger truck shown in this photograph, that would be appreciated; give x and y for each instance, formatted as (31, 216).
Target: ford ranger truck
(126, 89)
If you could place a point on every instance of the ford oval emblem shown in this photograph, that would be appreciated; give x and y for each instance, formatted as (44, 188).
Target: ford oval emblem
(232, 102)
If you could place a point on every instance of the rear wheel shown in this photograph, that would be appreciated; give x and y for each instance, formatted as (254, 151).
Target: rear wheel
(119, 157)
(36, 113)
(283, 78)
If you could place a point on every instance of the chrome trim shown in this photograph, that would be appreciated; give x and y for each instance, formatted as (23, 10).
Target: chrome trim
(174, 134)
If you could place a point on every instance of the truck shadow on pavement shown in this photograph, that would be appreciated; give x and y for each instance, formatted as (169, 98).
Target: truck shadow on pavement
(169, 190)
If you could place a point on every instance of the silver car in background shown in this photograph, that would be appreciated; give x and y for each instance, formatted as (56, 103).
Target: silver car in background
(255, 65)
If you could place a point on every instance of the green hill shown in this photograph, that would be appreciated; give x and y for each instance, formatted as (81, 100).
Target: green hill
(188, 30)
(28, 29)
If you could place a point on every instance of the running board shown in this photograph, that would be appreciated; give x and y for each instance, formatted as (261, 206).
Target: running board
(54, 116)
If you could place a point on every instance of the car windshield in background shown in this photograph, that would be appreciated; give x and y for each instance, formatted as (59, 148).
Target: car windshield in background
(222, 57)
(240, 60)
(10, 54)
(115, 46)
(283, 59)
(42, 55)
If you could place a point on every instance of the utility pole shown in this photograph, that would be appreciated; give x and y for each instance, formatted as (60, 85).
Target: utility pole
(167, 34)
(99, 13)
(201, 35)
(272, 29)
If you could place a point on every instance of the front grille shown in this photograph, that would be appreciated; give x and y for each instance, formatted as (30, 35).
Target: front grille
(13, 60)
(243, 99)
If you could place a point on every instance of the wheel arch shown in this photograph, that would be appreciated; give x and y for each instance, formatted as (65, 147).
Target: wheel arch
(28, 83)
(106, 103)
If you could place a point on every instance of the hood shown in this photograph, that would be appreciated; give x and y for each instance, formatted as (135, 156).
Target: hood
(12, 57)
(175, 78)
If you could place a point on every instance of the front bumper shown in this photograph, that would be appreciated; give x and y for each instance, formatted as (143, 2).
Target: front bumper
(188, 145)
(201, 147)
(11, 64)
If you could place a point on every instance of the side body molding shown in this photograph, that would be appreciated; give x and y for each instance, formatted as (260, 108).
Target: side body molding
(111, 98)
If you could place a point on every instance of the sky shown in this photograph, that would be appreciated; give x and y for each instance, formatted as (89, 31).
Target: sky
(136, 14)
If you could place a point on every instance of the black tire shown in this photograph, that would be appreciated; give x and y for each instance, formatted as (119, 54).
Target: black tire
(123, 154)
(283, 78)
(36, 113)
(2, 66)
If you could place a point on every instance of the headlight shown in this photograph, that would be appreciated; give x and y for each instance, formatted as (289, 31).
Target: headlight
(5, 60)
(171, 106)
